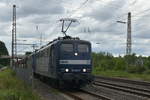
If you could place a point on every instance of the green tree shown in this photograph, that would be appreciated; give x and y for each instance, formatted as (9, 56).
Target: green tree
(3, 51)
(128, 63)
(120, 64)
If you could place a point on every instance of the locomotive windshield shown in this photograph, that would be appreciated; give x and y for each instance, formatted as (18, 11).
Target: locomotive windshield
(83, 48)
(67, 47)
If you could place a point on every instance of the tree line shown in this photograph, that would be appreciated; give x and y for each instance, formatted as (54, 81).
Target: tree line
(130, 63)
(3, 51)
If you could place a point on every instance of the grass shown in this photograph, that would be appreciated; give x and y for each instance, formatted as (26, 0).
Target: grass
(12, 88)
(122, 74)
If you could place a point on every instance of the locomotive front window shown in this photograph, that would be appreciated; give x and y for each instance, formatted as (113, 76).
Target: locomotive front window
(83, 48)
(67, 47)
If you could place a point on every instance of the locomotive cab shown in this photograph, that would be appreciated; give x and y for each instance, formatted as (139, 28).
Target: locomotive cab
(75, 64)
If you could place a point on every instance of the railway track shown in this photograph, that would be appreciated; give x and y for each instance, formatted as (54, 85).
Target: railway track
(138, 88)
(96, 95)
(105, 89)
(86, 95)
(80, 94)
(135, 82)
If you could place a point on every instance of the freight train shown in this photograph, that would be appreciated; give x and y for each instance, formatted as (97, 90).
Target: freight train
(65, 61)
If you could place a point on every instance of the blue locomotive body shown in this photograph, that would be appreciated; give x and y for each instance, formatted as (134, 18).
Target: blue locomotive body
(65, 60)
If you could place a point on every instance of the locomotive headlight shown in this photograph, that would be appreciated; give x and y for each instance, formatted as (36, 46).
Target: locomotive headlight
(67, 70)
(75, 54)
(84, 70)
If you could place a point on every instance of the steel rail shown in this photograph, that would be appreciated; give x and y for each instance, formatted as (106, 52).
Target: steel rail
(96, 95)
(90, 93)
(122, 88)
(137, 82)
(72, 96)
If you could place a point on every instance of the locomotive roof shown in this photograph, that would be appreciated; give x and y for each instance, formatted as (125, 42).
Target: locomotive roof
(75, 41)
(66, 38)
(59, 39)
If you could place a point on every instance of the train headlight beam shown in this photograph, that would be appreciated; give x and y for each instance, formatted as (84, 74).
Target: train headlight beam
(67, 70)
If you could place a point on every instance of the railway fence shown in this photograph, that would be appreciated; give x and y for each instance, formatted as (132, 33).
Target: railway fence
(25, 74)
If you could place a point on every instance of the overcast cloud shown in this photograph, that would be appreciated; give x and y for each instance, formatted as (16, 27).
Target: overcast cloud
(97, 23)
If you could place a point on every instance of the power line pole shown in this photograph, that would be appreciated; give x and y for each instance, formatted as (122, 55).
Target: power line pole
(14, 37)
(129, 39)
(41, 35)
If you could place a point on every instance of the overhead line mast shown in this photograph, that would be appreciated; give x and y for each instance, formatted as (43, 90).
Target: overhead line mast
(14, 38)
(129, 38)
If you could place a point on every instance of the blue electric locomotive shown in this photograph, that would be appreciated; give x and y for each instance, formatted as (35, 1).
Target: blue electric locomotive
(65, 60)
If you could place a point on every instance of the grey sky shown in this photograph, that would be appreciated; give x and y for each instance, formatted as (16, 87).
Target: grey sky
(97, 22)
